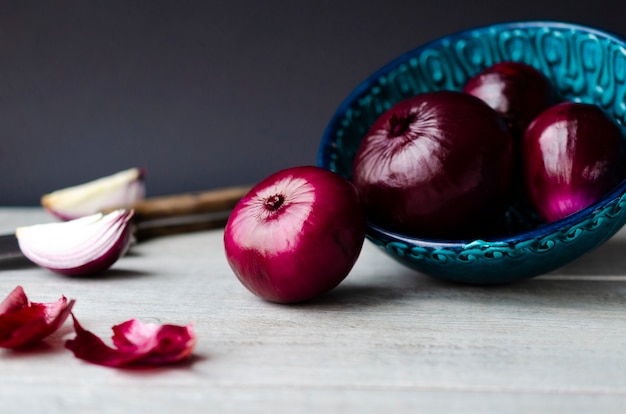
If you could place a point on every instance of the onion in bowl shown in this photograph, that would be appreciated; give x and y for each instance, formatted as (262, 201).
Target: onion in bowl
(515, 90)
(439, 165)
(573, 154)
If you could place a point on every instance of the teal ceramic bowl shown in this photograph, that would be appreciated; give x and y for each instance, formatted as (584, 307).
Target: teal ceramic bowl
(584, 64)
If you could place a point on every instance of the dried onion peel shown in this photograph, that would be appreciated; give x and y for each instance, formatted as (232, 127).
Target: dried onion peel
(135, 343)
(24, 323)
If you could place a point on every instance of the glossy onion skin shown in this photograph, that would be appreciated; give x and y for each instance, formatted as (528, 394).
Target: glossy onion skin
(517, 91)
(305, 247)
(573, 154)
(447, 175)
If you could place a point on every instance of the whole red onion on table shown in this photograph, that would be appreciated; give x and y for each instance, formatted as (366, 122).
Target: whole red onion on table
(296, 234)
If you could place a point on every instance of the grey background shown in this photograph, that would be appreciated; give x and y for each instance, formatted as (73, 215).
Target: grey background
(205, 94)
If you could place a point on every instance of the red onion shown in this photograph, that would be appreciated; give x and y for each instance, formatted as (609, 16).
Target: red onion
(24, 323)
(573, 155)
(296, 234)
(517, 91)
(120, 189)
(436, 165)
(83, 246)
(135, 343)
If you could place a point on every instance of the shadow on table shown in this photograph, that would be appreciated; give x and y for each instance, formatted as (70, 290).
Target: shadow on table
(120, 273)
(53, 344)
(598, 278)
(16, 263)
(110, 274)
(117, 272)
(607, 260)
(395, 286)
(143, 370)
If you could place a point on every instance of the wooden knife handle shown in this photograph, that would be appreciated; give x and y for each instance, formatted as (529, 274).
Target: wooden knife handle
(188, 204)
(150, 229)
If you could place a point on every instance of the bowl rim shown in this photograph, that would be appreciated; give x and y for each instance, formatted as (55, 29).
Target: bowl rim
(537, 232)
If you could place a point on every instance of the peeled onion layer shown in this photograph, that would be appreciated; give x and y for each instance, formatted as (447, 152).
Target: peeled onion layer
(134, 342)
(121, 189)
(24, 323)
(83, 246)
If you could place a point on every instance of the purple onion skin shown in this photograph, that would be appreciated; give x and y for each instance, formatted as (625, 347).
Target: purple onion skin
(573, 154)
(296, 234)
(517, 91)
(436, 165)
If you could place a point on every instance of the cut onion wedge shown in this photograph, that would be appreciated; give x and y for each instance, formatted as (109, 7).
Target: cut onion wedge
(24, 323)
(83, 246)
(120, 189)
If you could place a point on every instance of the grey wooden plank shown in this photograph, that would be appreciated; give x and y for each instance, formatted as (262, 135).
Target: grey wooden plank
(386, 338)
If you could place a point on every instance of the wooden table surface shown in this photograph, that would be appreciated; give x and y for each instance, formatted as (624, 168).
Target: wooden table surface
(386, 340)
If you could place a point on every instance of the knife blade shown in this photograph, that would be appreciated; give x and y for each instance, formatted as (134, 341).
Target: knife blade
(9, 247)
(164, 215)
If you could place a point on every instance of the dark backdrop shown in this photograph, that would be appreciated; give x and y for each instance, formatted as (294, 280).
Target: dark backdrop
(205, 93)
